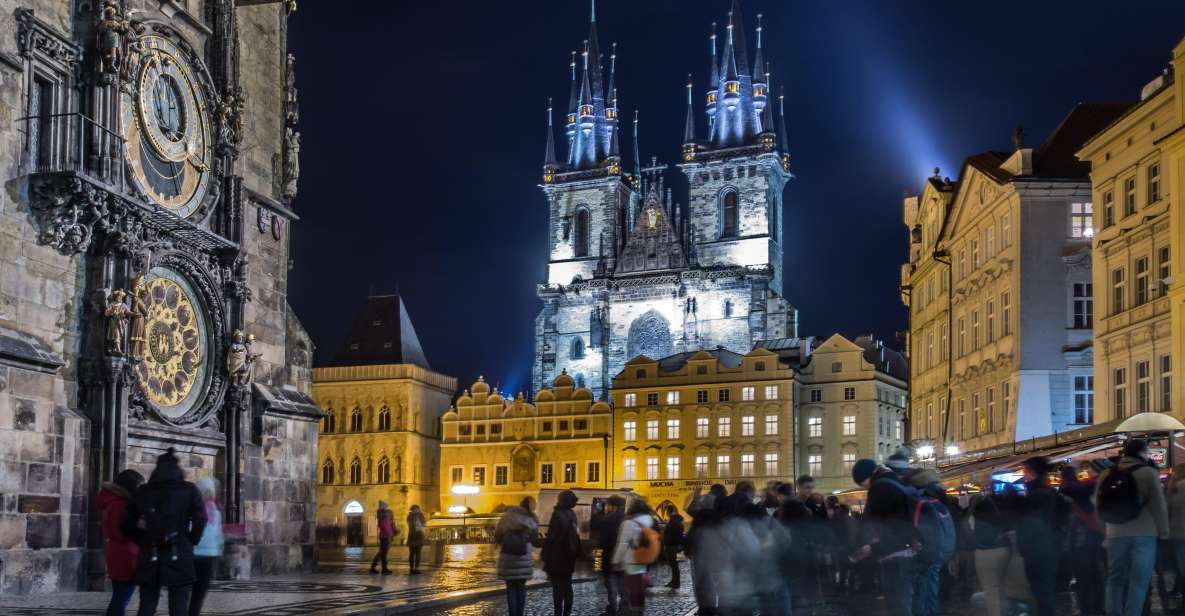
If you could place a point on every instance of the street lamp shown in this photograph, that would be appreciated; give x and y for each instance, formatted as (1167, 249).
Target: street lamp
(925, 452)
(464, 490)
(952, 450)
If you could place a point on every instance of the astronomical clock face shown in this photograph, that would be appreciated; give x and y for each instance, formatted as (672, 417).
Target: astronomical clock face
(167, 128)
(176, 356)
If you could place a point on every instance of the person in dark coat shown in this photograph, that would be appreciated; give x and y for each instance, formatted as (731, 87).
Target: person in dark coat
(889, 533)
(561, 549)
(672, 539)
(119, 551)
(166, 516)
(606, 524)
(1086, 555)
(705, 511)
(415, 539)
(1039, 529)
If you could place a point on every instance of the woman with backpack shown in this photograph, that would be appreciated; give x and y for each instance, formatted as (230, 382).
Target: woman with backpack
(638, 545)
(415, 539)
(516, 532)
(119, 551)
(561, 549)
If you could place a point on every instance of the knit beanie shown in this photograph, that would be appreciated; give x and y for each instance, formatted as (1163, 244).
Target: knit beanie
(899, 461)
(863, 469)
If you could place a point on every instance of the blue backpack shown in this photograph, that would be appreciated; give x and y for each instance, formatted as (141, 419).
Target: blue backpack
(933, 522)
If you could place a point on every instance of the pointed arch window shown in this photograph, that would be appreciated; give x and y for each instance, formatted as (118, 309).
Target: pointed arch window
(327, 472)
(329, 422)
(729, 213)
(356, 420)
(581, 240)
(356, 471)
(577, 348)
(385, 418)
(384, 471)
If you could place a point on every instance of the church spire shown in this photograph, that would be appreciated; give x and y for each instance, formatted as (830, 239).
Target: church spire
(689, 126)
(570, 124)
(549, 151)
(782, 143)
(713, 84)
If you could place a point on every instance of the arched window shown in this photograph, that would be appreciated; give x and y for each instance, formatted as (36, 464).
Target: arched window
(327, 472)
(329, 423)
(579, 380)
(581, 239)
(356, 420)
(729, 214)
(577, 348)
(385, 418)
(384, 475)
(356, 471)
(398, 470)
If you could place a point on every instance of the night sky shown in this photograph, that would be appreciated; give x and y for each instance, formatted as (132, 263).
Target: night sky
(423, 127)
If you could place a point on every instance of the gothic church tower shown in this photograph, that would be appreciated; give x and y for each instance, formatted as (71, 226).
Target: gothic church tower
(631, 272)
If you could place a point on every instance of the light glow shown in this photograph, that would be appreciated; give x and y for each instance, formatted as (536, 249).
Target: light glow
(925, 452)
(952, 450)
(464, 489)
(458, 509)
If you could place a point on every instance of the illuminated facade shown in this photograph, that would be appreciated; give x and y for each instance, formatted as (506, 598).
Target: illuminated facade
(1136, 174)
(1000, 294)
(509, 448)
(631, 272)
(381, 440)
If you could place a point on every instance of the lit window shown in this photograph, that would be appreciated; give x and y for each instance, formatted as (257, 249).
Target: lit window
(816, 395)
(652, 468)
(1119, 382)
(673, 429)
(629, 469)
(501, 475)
(771, 424)
(849, 393)
(747, 425)
(1143, 386)
(1081, 220)
(814, 464)
(814, 427)
(652, 430)
(631, 430)
(723, 466)
(1083, 305)
(771, 464)
(569, 472)
(849, 425)
(701, 427)
(724, 427)
(1083, 399)
(771, 392)
(631, 400)
(547, 473)
(748, 393)
(701, 467)
(849, 460)
(747, 464)
(672, 397)
(673, 467)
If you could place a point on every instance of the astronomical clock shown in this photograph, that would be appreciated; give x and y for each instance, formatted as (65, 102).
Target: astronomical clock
(174, 352)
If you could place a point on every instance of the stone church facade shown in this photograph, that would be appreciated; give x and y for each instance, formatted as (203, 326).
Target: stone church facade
(149, 163)
(631, 272)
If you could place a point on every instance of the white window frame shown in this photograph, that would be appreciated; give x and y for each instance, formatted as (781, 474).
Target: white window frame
(703, 427)
(748, 425)
(724, 427)
(651, 468)
(771, 464)
(748, 464)
(629, 429)
(771, 392)
(505, 468)
(723, 465)
(771, 424)
(630, 400)
(651, 429)
(629, 469)
(672, 467)
(849, 425)
(748, 393)
(814, 427)
(673, 428)
(672, 397)
(814, 464)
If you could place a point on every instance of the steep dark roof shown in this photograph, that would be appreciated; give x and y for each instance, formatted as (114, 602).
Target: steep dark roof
(382, 333)
(989, 163)
(885, 359)
(729, 359)
(1055, 158)
(794, 352)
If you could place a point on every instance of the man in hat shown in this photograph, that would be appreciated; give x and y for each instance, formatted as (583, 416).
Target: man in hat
(889, 533)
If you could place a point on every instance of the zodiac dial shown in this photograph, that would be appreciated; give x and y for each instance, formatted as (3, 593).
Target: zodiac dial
(174, 364)
(166, 124)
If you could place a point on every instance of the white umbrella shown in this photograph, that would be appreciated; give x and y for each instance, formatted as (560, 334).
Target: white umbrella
(1150, 422)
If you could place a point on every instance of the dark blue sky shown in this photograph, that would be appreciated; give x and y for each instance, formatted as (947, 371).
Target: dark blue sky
(423, 133)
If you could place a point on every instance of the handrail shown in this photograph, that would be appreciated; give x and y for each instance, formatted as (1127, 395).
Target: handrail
(73, 142)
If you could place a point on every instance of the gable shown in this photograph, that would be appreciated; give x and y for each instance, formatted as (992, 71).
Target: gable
(653, 244)
(975, 191)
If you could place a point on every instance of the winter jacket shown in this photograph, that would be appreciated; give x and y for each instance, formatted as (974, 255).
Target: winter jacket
(386, 525)
(627, 540)
(118, 550)
(1153, 520)
(174, 517)
(212, 540)
(672, 535)
(559, 558)
(520, 522)
(1176, 504)
(887, 514)
(990, 524)
(415, 537)
(1042, 517)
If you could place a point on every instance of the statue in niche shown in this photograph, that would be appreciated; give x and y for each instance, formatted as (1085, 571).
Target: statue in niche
(113, 29)
(524, 465)
(240, 361)
(291, 162)
(137, 338)
(117, 313)
(291, 106)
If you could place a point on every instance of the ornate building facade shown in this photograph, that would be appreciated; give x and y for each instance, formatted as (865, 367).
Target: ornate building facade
(508, 448)
(150, 162)
(381, 437)
(631, 272)
(1000, 295)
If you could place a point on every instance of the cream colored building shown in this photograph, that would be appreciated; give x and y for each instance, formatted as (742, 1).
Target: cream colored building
(1013, 350)
(687, 421)
(852, 398)
(381, 440)
(1137, 232)
(509, 448)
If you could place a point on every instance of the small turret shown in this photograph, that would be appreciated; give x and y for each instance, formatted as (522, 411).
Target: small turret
(713, 93)
(549, 163)
(782, 141)
(760, 81)
(689, 126)
(573, 101)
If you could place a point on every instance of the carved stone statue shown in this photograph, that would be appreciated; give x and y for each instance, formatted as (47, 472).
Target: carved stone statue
(112, 31)
(230, 119)
(291, 105)
(291, 162)
(117, 316)
(137, 338)
(240, 361)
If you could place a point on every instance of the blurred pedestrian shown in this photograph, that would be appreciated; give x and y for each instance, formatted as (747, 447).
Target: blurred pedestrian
(119, 551)
(166, 516)
(672, 540)
(1176, 506)
(889, 533)
(1039, 530)
(517, 531)
(1131, 502)
(700, 544)
(561, 549)
(386, 525)
(415, 539)
(208, 550)
(1086, 556)
(993, 550)
(606, 524)
(638, 545)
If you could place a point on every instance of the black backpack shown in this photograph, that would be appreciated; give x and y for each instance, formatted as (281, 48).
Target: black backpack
(1119, 495)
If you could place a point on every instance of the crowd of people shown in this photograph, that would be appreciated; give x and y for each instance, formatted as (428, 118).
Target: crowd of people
(1097, 531)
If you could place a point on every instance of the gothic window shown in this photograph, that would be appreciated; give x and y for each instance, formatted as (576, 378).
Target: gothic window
(329, 423)
(384, 471)
(356, 420)
(577, 348)
(327, 472)
(729, 214)
(649, 335)
(356, 471)
(727, 309)
(581, 239)
(385, 418)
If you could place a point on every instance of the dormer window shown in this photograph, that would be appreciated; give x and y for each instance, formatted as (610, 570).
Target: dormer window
(758, 91)
(711, 97)
(732, 87)
(610, 113)
(571, 118)
(586, 110)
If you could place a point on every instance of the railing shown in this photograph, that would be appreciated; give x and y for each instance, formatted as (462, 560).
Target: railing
(73, 142)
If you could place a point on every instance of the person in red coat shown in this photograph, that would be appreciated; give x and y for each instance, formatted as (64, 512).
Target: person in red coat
(119, 551)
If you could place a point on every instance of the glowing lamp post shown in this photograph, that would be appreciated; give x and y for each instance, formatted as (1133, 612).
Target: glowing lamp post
(463, 490)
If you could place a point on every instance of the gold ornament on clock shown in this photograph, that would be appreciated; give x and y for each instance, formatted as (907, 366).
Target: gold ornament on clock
(173, 343)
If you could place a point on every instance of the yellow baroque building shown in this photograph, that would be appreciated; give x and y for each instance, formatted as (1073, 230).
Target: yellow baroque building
(508, 448)
(381, 439)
